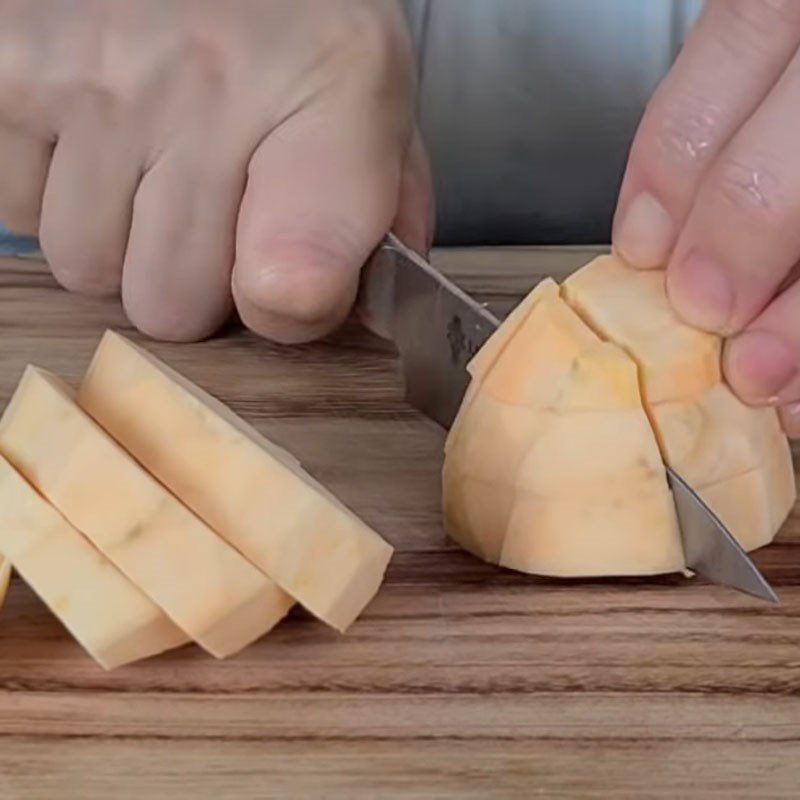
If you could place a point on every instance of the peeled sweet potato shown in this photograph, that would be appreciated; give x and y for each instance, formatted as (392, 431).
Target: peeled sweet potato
(555, 464)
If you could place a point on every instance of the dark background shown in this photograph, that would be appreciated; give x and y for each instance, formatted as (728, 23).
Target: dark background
(528, 108)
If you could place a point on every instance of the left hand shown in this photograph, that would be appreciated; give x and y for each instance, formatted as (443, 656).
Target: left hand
(195, 154)
(712, 189)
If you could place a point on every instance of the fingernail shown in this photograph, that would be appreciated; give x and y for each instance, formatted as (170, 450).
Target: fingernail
(646, 234)
(790, 420)
(760, 366)
(701, 292)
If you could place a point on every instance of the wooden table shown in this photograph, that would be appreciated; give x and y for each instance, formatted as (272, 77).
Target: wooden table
(461, 680)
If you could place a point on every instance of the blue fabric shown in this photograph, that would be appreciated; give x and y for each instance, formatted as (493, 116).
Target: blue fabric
(11, 245)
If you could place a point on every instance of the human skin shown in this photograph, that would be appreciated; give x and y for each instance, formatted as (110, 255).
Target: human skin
(195, 155)
(712, 189)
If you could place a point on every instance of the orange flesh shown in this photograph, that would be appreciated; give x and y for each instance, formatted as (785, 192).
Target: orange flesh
(555, 464)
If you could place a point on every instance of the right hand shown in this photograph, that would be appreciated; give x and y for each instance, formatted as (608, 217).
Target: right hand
(712, 190)
(193, 154)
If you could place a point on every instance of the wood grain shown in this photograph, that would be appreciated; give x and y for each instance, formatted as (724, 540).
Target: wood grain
(460, 681)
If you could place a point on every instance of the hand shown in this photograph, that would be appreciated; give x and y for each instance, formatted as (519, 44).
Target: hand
(713, 189)
(194, 154)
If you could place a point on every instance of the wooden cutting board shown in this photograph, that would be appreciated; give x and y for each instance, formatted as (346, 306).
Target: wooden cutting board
(461, 680)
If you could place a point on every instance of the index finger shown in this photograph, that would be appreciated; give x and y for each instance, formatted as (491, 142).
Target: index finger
(733, 56)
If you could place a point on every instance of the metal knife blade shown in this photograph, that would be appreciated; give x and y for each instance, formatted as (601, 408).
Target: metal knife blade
(708, 546)
(437, 328)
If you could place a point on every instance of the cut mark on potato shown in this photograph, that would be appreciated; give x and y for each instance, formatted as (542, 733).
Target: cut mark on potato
(556, 462)
(493, 348)
(554, 422)
(630, 308)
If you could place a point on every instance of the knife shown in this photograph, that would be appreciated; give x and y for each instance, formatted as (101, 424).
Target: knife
(438, 328)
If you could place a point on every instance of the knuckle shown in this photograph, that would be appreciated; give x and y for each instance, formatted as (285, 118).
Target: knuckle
(15, 94)
(753, 24)
(682, 134)
(375, 38)
(763, 15)
(97, 98)
(209, 61)
(371, 44)
(103, 99)
(753, 188)
(89, 87)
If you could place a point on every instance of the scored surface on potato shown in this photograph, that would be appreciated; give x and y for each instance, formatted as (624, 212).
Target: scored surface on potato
(555, 462)
(549, 450)
(631, 308)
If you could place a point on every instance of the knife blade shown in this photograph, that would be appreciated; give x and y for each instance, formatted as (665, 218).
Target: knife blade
(437, 329)
(709, 548)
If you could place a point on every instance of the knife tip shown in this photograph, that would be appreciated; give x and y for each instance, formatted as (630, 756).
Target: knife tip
(770, 596)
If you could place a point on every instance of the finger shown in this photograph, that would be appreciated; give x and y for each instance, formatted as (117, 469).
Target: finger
(762, 364)
(176, 276)
(87, 207)
(790, 420)
(735, 53)
(315, 207)
(742, 236)
(24, 161)
(415, 220)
